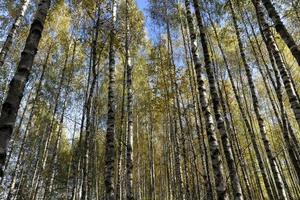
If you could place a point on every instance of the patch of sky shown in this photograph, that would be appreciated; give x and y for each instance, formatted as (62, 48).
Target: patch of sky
(149, 27)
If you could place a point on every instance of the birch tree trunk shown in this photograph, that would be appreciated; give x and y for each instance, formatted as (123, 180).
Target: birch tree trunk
(17, 85)
(54, 158)
(269, 41)
(88, 107)
(129, 153)
(213, 143)
(273, 51)
(110, 132)
(216, 106)
(244, 116)
(122, 129)
(196, 110)
(263, 133)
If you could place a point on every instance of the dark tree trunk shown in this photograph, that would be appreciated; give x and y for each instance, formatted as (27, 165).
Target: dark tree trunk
(17, 85)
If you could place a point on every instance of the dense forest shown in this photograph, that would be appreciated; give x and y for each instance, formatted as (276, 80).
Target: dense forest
(149, 99)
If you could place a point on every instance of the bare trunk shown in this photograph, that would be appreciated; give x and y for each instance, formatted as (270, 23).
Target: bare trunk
(110, 135)
(256, 107)
(235, 182)
(129, 145)
(244, 117)
(17, 85)
(213, 143)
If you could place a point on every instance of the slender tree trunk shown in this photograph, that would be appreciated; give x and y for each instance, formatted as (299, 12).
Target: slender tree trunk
(77, 163)
(269, 40)
(194, 192)
(110, 135)
(88, 108)
(139, 191)
(53, 160)
(75, 122)
(17, 85)
(129, 145)
(182, 155)
(173, 120)
(244, 117)
(214, 146)
(229, 120)
(120, 140)
(232, 132)
(43, 150)
(71, 160)
(235, 182)
(152, 161)
(273, 50)
(198, 122)
(266, 143)
(176, 105)
(171, 149)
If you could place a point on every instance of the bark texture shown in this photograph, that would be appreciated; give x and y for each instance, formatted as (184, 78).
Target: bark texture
(17, 85)
(110, 132)
(260, 120)
(270, 43)
(210, 129)
(129, 153)
(236, 186)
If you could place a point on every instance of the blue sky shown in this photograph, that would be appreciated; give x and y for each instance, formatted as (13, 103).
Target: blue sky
(143, 4)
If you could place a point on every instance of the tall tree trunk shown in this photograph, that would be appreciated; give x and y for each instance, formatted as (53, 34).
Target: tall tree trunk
(269, 41)
(273, 51)
(110, 132)
(282, 30)
(12, 32)
(71, 160)
(196, 110)
(17, 85)
(138, 159)
(172, 120)
(263, 133)
(88, 108)
(129, 145)
(213, 143)
(54, 158)
(77, 163)
(239, 154)
(235, 182)
(74, 130)
(151, 161)
(244, 116)
(28, 126)
(175, 90)
(121, 131)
